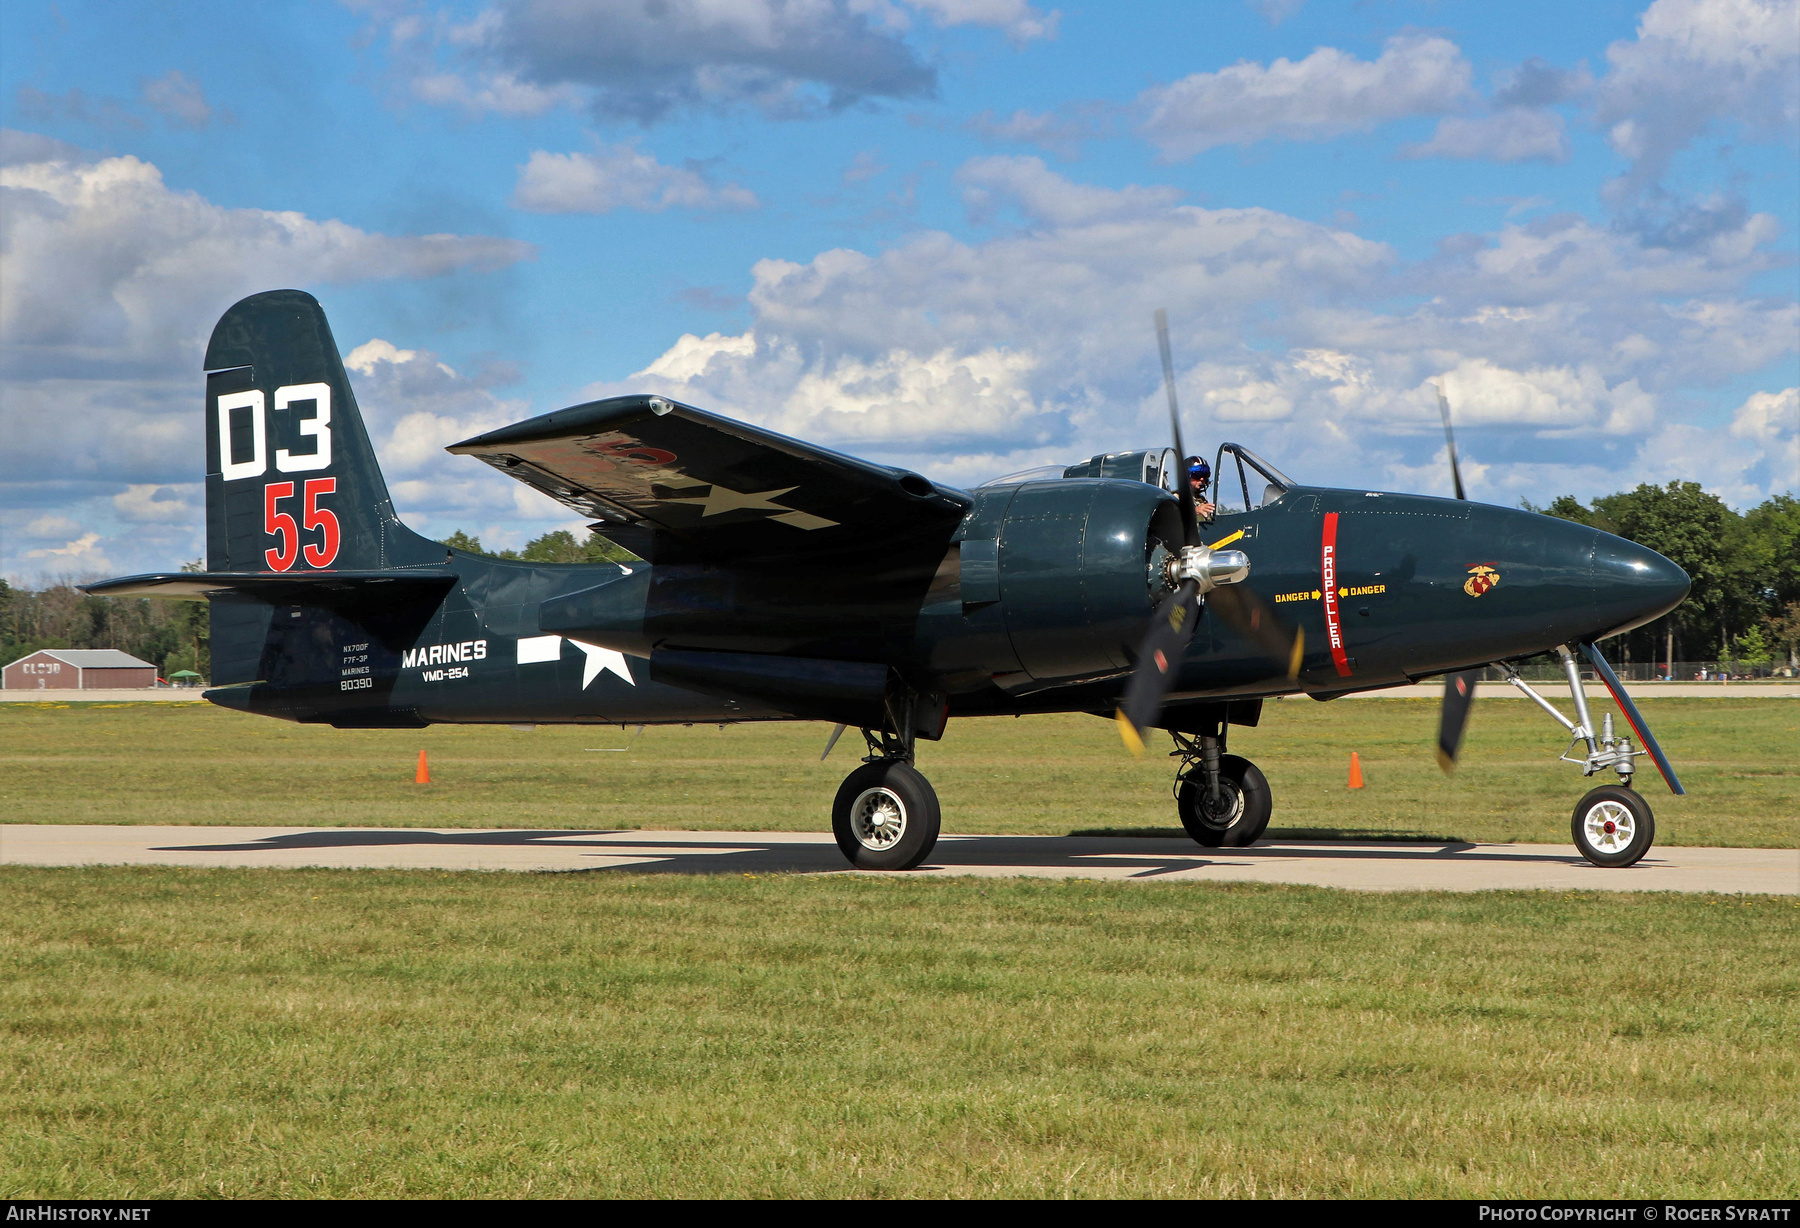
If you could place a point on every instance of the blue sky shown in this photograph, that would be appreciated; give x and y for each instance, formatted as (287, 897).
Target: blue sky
(929, 232)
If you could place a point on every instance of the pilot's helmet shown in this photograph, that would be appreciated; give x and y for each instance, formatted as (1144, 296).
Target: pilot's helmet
(1199, 471)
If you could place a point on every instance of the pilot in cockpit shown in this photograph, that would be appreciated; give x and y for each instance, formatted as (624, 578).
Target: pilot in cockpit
(1199, 477)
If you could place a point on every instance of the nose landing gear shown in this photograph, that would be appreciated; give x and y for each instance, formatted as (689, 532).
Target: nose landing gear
(1613, 825)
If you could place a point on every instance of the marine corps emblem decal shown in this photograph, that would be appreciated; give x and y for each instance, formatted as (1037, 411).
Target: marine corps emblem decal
(1481, 578)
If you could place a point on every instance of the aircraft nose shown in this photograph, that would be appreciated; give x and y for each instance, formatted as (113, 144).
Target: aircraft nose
(1633, 584)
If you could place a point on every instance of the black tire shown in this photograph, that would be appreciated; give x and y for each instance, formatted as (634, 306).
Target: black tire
(870, 802)
(1247, 805)
(1613, 826)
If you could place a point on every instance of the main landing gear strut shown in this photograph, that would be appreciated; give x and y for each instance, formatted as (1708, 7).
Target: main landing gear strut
(886, 813)
(1223, 799)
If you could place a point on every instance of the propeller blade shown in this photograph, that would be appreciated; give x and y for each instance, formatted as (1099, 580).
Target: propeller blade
(1190, 517)
(1159, 660)
(1592, 653)
(1450, 439)
(1249, 614)
(1459, 689)
(1459, 693)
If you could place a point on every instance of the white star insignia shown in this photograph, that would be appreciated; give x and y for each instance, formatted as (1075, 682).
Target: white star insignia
(720, 499)
(602, 660)
(724, 499)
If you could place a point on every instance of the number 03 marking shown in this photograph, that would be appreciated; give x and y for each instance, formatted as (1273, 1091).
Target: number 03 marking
(248, 408)
(277, 523)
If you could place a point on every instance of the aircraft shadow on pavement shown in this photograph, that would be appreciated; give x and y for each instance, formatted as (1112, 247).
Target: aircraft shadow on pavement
(729, 853)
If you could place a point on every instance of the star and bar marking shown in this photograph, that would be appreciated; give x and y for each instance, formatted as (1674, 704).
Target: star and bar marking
(598, 660)
(720, 499)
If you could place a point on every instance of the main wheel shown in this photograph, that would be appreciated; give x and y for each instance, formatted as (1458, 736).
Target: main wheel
(1243, 810)
(1613, 826)
(885, 816)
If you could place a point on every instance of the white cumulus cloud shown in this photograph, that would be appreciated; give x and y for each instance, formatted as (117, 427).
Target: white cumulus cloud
(1555, 399)
(1771, 422)
(52, 525)
(1327, 94)
(619, 177)
(1695, 63)
(152, 501)
(1559, 342)
(179, 99)
(113, 281)
(1512, 135)
(106, 263)
(501, 93)
(81, 557)
(646, 62)
(1044, 196)
(415, 406)
(1018, 19)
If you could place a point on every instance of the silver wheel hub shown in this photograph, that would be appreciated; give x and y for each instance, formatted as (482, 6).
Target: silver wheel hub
(1609, 826)
(878, 819)
(1231, 804)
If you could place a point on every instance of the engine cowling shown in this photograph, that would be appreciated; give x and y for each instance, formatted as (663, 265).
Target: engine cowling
(1080, 570)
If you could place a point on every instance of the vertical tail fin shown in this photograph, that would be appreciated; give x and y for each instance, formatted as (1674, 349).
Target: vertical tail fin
(291, 479)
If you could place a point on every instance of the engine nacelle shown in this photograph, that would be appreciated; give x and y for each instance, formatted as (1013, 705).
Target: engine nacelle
(1081, 568)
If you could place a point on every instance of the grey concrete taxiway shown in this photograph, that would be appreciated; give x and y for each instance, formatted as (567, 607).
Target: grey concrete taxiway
(1368, 866)
(1556, 691)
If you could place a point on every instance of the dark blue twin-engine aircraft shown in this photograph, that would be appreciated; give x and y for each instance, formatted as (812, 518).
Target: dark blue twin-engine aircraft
(783, 581)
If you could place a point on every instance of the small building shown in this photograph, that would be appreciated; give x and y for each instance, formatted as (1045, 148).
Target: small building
(78, 669)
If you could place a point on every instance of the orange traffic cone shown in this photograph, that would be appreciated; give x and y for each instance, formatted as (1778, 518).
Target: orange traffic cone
(423, 775)
(1355, 769)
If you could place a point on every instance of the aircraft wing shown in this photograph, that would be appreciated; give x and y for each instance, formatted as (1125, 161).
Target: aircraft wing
(708, 489)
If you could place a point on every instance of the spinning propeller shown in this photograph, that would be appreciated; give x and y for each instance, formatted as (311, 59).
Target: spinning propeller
(1195, 572)
(1459, 689)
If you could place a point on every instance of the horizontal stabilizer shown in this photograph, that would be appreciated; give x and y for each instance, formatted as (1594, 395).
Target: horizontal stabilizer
(276, 587)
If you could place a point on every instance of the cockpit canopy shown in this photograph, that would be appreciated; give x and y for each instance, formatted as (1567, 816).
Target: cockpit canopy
(1242, 480)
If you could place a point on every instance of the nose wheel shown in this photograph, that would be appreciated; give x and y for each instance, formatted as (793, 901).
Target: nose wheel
(1613, 826)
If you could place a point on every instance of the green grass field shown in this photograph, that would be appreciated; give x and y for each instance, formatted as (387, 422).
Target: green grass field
(243, 1033)
(170, 1032)
(194, 763)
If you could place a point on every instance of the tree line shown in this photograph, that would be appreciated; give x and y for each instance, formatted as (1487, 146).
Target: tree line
(169, 634)
(1744, 607)
(560, 546)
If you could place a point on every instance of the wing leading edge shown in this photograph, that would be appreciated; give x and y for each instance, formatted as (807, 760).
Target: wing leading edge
(709, 489)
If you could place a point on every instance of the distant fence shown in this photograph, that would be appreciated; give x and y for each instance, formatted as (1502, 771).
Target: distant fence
(1549, 669)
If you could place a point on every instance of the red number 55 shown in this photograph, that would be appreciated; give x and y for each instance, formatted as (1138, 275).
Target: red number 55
(277, 523)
